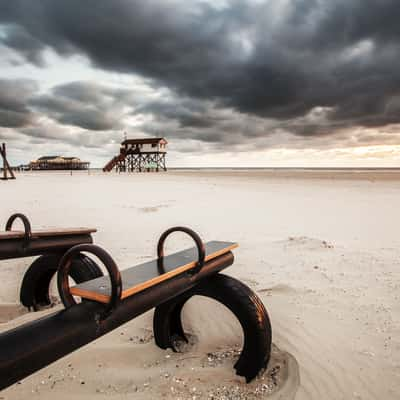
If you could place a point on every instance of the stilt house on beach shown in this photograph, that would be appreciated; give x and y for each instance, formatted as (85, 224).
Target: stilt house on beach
(141, 155)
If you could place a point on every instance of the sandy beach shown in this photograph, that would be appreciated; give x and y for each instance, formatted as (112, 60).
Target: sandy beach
(320, 248)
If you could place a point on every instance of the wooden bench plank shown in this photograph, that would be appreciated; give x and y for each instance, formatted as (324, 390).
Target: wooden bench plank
(143, 276)
(39, 233)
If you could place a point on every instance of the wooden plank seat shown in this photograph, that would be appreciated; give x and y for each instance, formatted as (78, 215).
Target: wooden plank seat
(41, 233)
(146, 275)
(25, 243)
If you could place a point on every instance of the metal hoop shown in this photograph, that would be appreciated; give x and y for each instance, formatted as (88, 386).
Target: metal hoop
(25, 221)
(109, 263)
(199, 243)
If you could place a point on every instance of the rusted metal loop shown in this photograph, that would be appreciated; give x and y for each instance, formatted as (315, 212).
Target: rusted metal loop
(109, 263)
(25, 221)
(199, 243)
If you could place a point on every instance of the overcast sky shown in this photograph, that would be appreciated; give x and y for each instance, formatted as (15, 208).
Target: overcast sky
(227, 83)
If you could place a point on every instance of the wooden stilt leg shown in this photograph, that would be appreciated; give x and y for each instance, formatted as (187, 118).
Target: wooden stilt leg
(6, 166)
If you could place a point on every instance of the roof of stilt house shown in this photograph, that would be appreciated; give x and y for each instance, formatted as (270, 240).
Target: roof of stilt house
(144, 141)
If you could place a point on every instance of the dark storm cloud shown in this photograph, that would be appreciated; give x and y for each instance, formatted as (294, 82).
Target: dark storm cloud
(28, 46)
(14, 95)
(187, 112)
(83, 104)
(54, 133)
(272, 60)
(193, 119)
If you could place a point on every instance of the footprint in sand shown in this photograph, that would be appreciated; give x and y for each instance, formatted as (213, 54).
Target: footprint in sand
(152, 209)
(280, 288)
(310, 243)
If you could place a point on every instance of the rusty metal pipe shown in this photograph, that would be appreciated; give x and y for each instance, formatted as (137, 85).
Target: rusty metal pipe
(25, 221)
(199, 244)
(32, 346)
(112, 269)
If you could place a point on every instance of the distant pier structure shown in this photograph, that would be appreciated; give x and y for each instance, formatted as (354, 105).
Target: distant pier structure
(58, 163)
(140, 155)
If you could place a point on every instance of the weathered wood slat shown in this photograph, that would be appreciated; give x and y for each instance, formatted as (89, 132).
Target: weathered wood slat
(39, 233)
(143, 276)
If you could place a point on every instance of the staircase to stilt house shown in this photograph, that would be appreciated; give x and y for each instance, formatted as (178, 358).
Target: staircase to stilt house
(114, 161)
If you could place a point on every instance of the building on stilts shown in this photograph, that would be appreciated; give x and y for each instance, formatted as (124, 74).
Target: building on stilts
(139, 155)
